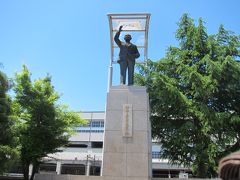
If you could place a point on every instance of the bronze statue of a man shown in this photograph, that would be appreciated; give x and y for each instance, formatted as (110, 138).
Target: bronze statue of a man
(127, 55)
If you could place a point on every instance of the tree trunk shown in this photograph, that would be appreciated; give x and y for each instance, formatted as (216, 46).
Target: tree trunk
(35, 168)
(201, 173)
(25, 171)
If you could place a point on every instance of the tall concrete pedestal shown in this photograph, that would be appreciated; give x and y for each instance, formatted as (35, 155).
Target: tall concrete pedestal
(127, 139)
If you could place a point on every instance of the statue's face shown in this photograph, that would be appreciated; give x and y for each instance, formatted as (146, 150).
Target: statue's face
(127, 37)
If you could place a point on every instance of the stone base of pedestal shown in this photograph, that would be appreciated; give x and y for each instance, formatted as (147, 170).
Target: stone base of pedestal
(127, 138)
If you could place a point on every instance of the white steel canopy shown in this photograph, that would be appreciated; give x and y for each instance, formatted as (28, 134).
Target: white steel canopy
(135, 24)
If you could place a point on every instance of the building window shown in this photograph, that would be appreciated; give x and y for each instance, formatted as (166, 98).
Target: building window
(94, 124)
(155, 155)
(97, 124)
(95, 170)
(47, 167)
(77, 169)
(77, 145)
(97, 144)
(88, 131)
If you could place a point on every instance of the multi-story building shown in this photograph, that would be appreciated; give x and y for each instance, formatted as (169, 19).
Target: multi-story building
(83, 156)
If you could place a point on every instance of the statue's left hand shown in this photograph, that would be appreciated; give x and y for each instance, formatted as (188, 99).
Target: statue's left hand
(120, 28)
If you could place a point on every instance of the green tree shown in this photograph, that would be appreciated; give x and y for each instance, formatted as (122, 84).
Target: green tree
(8, 143)
(195, 97)
(45, 126)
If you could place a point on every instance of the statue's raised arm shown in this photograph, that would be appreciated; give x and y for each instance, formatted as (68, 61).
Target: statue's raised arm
(116, 37)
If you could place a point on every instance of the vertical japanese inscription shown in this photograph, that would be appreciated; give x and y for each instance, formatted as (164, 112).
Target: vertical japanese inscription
(127, 120)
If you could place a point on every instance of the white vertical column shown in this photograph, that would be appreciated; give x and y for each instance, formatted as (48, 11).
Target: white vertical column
(88, 167)
(30, 169)
(58, 168)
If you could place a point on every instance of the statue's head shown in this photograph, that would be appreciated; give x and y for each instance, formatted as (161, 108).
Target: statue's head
(127, 37)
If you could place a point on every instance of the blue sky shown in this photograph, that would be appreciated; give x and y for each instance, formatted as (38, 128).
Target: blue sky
(69, 39)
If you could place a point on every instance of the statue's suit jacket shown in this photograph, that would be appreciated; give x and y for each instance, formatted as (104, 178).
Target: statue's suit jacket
(128, 52)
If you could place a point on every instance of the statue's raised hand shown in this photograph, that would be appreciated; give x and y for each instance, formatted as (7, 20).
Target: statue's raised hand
(120, 28)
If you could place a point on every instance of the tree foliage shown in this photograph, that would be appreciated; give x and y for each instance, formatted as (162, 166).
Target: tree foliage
(8, 150)
(195, 97)
(44, 125)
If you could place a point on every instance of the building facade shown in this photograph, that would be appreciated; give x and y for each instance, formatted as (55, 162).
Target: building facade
(83, 156)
